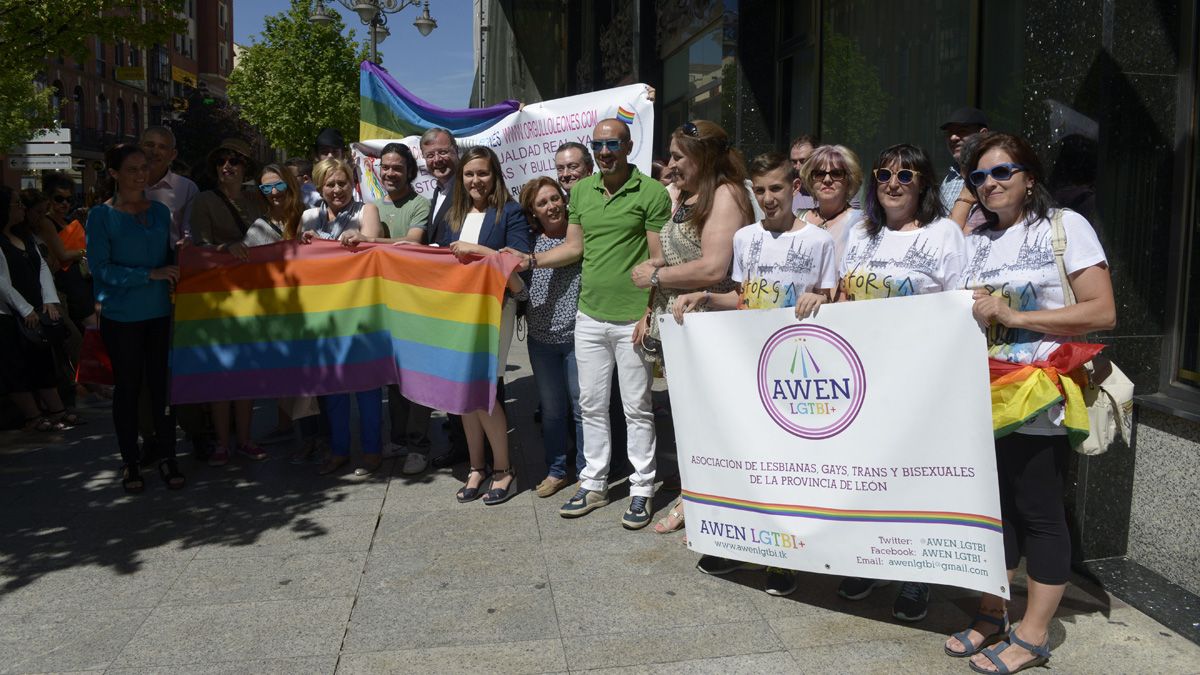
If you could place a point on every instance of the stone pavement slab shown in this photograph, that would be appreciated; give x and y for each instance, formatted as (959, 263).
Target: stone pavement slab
(265, 567)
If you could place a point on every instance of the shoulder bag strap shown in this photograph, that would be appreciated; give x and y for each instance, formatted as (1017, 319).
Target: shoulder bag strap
(237, 215)
(1059, 240)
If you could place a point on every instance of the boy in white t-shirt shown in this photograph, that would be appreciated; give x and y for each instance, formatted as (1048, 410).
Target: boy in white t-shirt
(780, 261)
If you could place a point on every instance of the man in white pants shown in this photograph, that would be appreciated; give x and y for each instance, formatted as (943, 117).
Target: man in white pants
(613, 220)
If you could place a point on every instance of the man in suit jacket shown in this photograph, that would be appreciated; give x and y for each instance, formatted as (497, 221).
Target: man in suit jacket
(440, 151)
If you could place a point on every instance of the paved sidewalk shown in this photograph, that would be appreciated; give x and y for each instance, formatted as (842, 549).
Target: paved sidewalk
(268, 568)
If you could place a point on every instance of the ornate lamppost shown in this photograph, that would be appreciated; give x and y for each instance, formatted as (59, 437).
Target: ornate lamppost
(373, 14)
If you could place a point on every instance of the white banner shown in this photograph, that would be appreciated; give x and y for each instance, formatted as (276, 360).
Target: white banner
(526, 140)
(856, 443)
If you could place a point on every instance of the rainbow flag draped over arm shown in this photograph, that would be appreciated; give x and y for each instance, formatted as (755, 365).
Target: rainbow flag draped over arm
(1022, 391)
(305, 320)
(388, 110)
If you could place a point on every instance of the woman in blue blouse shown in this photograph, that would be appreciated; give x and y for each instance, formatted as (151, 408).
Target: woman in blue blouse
(129, 250)
(483, 220)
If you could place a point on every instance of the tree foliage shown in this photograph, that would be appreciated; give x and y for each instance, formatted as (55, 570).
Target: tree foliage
(300, 78)
(33, 30)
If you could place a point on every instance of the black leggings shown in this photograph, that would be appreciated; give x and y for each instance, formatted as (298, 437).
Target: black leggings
(1031, 470)
(139, 353)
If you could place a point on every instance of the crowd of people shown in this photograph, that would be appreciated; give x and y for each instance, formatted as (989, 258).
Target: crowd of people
(604, 251)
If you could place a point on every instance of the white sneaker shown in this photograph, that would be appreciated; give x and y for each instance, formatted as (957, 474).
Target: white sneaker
(414, 464)
(394, 450)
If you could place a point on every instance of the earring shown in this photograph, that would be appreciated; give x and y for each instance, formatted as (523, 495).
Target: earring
(1029, 191)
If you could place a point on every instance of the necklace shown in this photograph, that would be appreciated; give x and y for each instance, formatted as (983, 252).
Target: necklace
(824, 224)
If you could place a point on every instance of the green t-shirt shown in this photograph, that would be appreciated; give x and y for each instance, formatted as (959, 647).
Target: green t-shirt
(614, 242)
(412, 211)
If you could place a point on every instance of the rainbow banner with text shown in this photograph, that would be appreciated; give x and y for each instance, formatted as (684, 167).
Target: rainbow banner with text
(524, 138)
(306, 320)
(829, 445)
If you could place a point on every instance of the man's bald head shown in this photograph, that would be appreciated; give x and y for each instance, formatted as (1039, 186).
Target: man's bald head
(613, 128)
(611, 146)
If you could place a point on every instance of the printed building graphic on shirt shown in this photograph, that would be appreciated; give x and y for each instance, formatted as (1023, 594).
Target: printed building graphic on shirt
(763, 288)
(871, 278)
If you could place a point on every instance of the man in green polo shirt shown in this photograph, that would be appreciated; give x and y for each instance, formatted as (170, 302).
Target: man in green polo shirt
(613, 221)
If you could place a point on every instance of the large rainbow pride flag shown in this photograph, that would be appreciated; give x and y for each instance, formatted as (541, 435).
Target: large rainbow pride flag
(1022, 391)
(304, 320)
(388, 110)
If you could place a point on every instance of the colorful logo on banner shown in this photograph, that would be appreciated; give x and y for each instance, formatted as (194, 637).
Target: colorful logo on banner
(811, 381)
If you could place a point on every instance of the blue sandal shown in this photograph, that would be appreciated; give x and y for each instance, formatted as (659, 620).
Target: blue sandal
(963, 636)
(500, 495)
(1041, 654)
(469, 494)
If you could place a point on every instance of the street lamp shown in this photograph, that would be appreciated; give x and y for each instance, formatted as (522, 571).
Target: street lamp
(373, 14)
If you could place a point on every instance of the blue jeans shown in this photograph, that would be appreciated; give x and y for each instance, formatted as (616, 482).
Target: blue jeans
(558, 389)
(370, 420)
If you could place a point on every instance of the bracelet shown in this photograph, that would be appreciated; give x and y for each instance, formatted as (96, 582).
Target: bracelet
(707, 297)
(532, 260)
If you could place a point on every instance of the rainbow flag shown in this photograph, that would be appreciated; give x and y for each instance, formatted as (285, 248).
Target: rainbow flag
(388, 110)
(624, 114)
(305, 320)
(1022, 391)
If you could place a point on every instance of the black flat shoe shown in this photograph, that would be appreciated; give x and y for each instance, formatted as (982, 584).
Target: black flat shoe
(500, 495)
(169, 470)
(469, 494)
(131, 480)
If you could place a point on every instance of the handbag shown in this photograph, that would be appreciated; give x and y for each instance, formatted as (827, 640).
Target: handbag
(1109, 392)
(47, 331)
(95, 366)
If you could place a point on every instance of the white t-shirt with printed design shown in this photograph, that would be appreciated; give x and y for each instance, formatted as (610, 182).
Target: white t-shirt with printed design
(1017, 264)
(775, 268)
(928, 259)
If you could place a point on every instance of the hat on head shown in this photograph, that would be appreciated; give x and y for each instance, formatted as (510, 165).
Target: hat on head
(331, 137)
(966, 115)
(234, 145)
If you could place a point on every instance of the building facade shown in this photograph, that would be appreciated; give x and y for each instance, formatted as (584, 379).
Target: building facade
(119, 89)
(1104, 89)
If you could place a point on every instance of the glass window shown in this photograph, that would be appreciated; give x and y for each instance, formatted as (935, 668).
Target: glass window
(1189, 355)
(692, 79)
(891, 72)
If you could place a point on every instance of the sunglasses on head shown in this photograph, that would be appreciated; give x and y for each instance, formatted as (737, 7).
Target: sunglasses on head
(1000, 172)
(690, 129)
(610, 144)
(268, 188)
(903, 176)
(834, 175)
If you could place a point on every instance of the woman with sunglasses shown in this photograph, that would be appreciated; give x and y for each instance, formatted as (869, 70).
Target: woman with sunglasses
(483, 220)
(129, 250)
(221, 217)
(1019, 295)
(65, 240)
(832, 176)
(711, 205)
(904, 246)
(336, 219)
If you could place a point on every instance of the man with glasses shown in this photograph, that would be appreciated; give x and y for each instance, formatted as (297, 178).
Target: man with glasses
(959, 128)
(165, 186)
(330, 143)
(573, 163)
(613, 222)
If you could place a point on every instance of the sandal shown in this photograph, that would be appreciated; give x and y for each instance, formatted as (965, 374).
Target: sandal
(963, 636)
(44, 424)
(169, 470)
(131, 480)
(1041, 654)
(673, 521)
(469, 494)
(332, 464)
(500, 495)
(370, 465)
(66, 417)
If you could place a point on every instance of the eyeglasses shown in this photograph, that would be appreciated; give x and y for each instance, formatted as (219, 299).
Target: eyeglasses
(1000, 172)
(268, 188)
(903, 176)
(437, 153)
(610, 144)
(60, 199)
(690, 129)
(231, 160)
(834, 175)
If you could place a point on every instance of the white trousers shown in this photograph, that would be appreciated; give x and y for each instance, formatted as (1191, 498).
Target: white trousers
(599, 345)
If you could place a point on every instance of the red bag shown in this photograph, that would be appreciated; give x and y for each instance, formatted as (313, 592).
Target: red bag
(94, 365)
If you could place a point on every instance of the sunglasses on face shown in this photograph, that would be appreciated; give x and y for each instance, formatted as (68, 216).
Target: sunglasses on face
(610, 144)
(60, 199)
(268, 188)
(231, 160)
(903, 176)
(1000, 172)
(834, 175)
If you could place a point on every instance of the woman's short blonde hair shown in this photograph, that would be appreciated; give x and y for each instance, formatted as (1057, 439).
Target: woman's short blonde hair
(327, 168)
(837, 157)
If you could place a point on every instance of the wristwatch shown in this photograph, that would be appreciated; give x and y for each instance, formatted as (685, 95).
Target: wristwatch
(654, 278)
